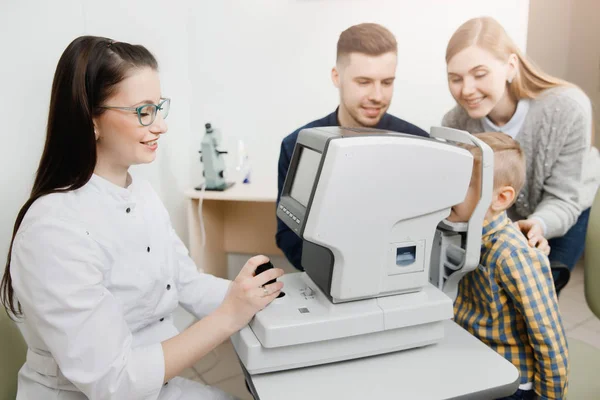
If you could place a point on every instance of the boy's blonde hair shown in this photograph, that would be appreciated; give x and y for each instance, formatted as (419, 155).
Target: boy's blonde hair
(509, 159)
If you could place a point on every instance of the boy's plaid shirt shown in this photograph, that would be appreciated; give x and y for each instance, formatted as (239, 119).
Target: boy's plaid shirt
(509, 303)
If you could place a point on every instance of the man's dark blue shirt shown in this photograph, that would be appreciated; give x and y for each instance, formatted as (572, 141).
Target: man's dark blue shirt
(286, 239)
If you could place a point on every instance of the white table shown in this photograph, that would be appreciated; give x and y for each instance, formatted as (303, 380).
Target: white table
(460, 367)
(240, 219)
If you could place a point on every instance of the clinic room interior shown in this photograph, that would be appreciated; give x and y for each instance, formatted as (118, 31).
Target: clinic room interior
(379, 279)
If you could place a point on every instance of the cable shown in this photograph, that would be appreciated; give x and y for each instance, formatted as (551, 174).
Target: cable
(201, 217)
(202, 246)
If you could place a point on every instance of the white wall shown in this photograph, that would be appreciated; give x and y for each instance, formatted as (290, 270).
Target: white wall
(262, 67)
(255, 69)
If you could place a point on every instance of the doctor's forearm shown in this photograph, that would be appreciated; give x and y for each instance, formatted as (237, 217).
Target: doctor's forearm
(187, 348)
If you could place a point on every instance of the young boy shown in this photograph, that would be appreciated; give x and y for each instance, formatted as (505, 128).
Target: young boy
(509, 301)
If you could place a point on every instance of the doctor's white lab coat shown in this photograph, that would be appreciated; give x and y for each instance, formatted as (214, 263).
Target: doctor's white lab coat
(98, 272)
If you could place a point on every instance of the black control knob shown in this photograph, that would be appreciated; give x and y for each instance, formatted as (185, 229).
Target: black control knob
(265, 267)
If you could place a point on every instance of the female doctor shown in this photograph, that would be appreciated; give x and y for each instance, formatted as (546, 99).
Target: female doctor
(95, 268)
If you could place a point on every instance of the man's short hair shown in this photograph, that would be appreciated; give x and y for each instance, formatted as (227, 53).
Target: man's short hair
(368, 38)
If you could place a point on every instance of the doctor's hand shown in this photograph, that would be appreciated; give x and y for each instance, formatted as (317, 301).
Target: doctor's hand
(532, 229)
(247, 296)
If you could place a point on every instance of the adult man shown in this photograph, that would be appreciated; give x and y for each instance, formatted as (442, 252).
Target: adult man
(367, 56)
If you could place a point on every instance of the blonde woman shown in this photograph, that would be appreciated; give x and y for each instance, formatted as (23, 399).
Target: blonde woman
(497, 88)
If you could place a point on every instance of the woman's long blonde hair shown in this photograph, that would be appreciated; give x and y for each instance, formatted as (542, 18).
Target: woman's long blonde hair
(488, 34)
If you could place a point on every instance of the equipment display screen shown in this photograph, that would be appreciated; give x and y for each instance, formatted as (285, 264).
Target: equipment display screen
(304, 179)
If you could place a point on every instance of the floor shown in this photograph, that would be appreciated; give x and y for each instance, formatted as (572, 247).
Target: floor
(221, 367)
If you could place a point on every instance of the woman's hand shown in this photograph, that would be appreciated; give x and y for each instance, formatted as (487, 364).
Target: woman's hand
(532, 229)
(246, 296)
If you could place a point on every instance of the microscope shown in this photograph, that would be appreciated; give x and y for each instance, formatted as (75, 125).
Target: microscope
(214, 164)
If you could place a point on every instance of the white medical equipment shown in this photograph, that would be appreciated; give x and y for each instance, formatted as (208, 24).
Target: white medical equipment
(381, 266)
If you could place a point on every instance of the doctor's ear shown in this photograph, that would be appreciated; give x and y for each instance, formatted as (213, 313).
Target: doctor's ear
(96, 134)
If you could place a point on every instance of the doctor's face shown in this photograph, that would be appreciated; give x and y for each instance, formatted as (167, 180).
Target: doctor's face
(122, 140)
(366, 85)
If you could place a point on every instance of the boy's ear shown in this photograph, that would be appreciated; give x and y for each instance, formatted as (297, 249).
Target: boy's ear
(503, 198)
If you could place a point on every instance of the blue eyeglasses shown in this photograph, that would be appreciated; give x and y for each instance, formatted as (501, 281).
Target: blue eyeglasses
(147, 112)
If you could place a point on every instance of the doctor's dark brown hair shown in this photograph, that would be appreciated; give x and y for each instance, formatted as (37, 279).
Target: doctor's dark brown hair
(87, 74)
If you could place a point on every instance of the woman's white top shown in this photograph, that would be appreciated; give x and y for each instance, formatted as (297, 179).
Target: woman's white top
(514, 125)
(98, 272)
